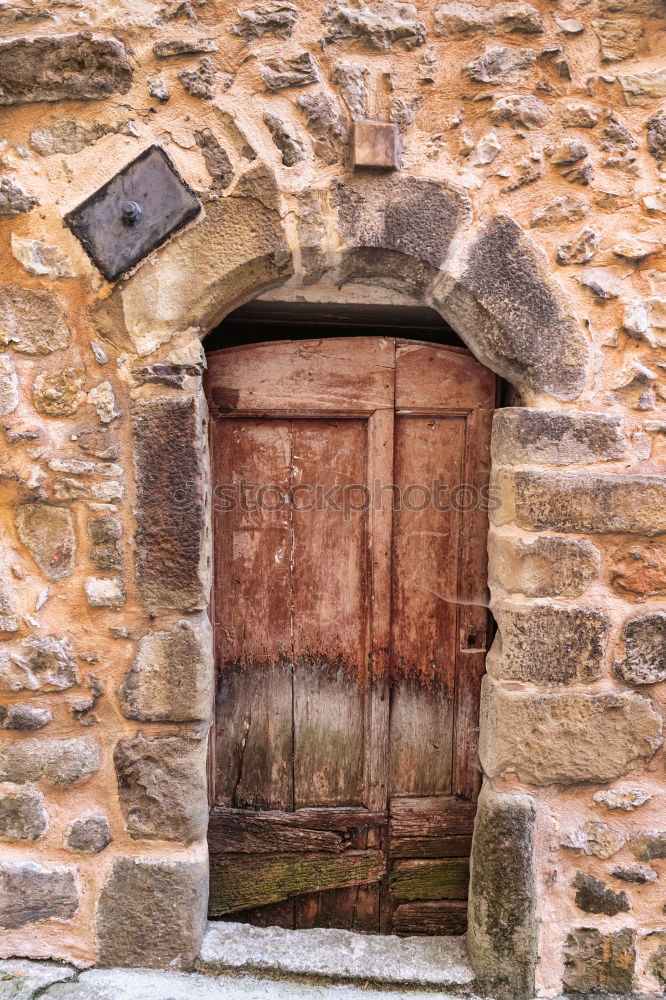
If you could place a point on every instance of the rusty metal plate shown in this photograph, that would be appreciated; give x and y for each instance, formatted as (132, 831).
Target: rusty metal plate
(376, 144)
(133, 213)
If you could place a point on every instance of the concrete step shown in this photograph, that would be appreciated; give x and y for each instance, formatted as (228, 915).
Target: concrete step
(333, 955)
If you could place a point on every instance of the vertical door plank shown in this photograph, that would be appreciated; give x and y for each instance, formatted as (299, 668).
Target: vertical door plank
(330, 589)
(473, 614)
(425, 589)
(380, 526)
(253, 617)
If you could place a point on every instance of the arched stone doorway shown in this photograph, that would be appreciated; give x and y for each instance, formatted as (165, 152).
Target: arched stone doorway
(490, 283)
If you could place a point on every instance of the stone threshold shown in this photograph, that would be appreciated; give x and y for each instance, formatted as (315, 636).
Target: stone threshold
(333, 955)
(22, 979)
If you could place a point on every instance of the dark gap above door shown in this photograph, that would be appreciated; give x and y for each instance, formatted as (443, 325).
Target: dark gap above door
(259, 321)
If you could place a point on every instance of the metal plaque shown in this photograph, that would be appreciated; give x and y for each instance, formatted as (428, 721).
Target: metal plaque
(133, 213)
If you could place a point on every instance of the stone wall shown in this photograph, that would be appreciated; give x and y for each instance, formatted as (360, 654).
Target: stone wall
(530, 211)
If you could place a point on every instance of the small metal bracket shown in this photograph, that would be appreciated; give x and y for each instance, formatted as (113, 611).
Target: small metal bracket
(133, 213)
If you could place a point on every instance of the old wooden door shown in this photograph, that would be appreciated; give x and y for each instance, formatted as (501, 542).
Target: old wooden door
(350, 519)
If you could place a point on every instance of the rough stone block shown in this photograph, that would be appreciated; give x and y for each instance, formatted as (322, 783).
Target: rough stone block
(105, 592)
(565, 737)
(599, 963)
(503, 927)
(62, 67)
(21, 715)
(9, 385)
(595, 839)
(581, 503)
(594, 896)
(22, 813)
(89, 834)
(42, 662)
(650, 846)
(30, 892)
(162, 787)
(639, 568)
(400, 215)
(152, 913)
(32, 322)
(378, 25)
(58, 393)
(546, 567)
(49, 536)
(548, 645)
(60, 762)
(512, 314)
(172, 564)
(644, 641)
(105, 532)
(172, 676)
(522, 436)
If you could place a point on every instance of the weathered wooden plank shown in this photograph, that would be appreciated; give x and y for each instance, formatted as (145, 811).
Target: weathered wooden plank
(329, 600)
(431, 816)
(354, 908)
(425, 588)
(442, 879)
(431, 917)
(378, 620)
(430, 847)
(240, 832)
(238, 882)
(342, 821)
(473, 616)
(252, 617)
(274, 915)
(334, 374)
(438, 377)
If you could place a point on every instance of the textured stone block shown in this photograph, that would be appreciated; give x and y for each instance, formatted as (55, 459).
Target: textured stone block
(403, 216)
(21, 715)
(548, 645)
(32, 322)
(581, 503)
(639, 568)
(599, 963)
(22, 813)
(513, 315)
(503, 927)
(151, 913)
(521, 436)
(644, 641)
(172, 563)
(42, 662)
(62, 67)
(171, 678)
(565, 737)
(546, 567)
(48, 535)
(162, 787)
(60, 762)
(594, 896)
(30, 892)
(89, 834)
(650, 846)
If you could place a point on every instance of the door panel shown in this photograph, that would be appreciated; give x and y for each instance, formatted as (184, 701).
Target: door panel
(425, 581)
(330, 587)
(350, 621)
